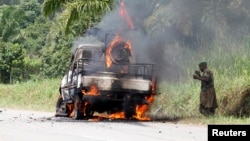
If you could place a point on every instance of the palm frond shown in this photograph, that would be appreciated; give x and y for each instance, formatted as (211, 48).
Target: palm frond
(77, 10)
(73, 15)
(87, 10)
(51, 6)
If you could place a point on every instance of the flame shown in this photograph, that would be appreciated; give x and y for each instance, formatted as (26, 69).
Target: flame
(71, 109)
(124, 13)
(117, 39)
(141, 109)
(128, 46)
(92, 91)
(118, 115)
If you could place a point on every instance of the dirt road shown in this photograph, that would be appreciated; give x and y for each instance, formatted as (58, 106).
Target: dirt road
(18, 125)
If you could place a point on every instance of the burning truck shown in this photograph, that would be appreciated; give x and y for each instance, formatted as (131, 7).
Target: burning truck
(106, 79)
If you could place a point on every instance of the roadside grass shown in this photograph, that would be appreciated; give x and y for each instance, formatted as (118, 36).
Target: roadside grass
(231, 69)
(215, 120)
(32, 95)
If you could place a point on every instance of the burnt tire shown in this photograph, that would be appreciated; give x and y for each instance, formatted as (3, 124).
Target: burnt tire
(77, 108)
(88, 112)
(77, 115)
(129, 107)
(61, 108)
(58, 103)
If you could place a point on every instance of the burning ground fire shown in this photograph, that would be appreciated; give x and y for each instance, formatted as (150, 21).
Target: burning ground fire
(140, 111)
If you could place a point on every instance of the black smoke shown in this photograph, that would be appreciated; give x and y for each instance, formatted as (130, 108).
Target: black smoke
(166, 29)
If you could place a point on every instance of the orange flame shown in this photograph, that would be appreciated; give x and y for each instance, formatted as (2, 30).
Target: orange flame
(117, 39)
(141, 109)
(92, 91)
(124, 13)
(118, 115)
(71, 109)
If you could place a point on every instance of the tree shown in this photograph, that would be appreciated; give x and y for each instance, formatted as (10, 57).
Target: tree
(75, 11)
(10, 23)
(197, 23)
(11, 63)
(31, 9)
(9, 2)
(24, 30)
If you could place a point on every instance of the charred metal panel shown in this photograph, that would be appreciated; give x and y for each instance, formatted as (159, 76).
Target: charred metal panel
(113, 83)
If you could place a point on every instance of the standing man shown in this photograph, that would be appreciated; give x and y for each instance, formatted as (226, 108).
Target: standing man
(208, 101)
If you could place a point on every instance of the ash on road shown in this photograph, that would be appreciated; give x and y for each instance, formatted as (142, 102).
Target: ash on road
(43, 126)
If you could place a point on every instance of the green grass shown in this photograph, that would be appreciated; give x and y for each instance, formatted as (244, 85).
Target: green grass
(31, 95)
(231, 68)
(215, 120)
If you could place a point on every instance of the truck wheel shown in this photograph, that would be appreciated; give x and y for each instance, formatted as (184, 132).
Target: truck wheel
(61, 108)
(129, 107)
(77, 110)
(88, 112)
(58, 103)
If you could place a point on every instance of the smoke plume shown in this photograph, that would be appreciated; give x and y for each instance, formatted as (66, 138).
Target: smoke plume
(164, 30)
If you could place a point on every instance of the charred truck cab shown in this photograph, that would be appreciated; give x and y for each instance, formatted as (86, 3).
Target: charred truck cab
(105, 79)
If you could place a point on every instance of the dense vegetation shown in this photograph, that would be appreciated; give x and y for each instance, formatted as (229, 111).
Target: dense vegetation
(36, 37)
(33, 46)
(26, 40)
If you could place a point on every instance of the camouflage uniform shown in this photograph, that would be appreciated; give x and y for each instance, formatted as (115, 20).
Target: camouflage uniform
(208, 101)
